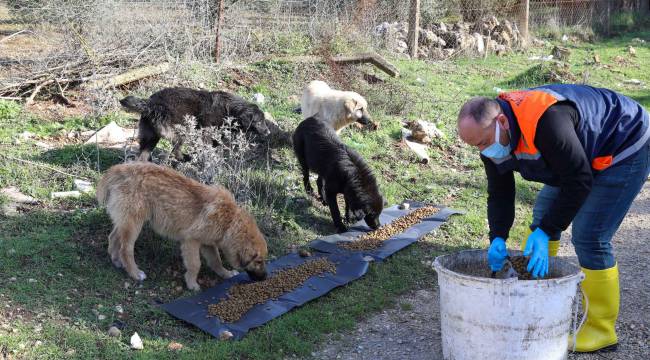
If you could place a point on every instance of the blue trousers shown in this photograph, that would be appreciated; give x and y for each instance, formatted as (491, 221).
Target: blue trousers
(612, 193)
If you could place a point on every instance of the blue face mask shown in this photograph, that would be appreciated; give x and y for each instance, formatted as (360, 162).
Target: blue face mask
(496, 150)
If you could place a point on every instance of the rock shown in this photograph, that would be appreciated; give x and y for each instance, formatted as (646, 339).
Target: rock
(304, 253)
(25, 135)
(565, 38)
(500, 49)
(437, 54)
(101, 317)
(404, 206)
(31, 281)
(109, 134)
(14, 195)
(136, 342)
(65, 194)
(119, 309)
(114, 332)
(13, 279)
(631, 50)
(42, 145)
(561, 53)
(480, 44)
(506, 39)
(259, 98)
(225, 335)
(368, 258)
(442, 27)
(419, 149)
(83, 185)
(428, 37)
(638, 40)
(507, 26)
(174, 346)
(596, 59)
(402, 47)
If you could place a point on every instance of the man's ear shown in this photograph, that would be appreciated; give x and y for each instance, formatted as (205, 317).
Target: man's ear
(503, 120)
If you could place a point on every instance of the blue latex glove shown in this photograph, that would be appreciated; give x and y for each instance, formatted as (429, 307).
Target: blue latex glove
(537, 245)
(497, 254)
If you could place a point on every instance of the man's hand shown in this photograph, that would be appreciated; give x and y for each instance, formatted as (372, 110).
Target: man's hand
(537, 245)
(497, 254)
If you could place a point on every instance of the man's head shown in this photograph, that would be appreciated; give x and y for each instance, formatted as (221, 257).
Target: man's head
(478, 120)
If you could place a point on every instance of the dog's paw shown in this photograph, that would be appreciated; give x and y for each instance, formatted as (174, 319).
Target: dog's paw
(117, 263)
(141, 275)
(228, 274)
(194, 287)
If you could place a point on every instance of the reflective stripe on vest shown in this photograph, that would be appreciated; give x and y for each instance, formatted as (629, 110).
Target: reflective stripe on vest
(528, 107)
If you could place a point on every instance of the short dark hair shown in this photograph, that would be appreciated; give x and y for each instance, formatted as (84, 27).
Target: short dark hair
(480, 108)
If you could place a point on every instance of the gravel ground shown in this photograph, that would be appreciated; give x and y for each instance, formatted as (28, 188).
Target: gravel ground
(417, 314)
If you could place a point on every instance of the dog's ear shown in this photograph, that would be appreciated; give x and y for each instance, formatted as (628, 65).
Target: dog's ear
(350, 105)
(246, 256)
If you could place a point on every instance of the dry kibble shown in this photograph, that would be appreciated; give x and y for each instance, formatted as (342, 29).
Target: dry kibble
(374, 239)
(520, 263)
(242, 297)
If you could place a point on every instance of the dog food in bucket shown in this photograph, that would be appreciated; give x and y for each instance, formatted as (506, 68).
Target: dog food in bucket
(243, 297)
(374, 239)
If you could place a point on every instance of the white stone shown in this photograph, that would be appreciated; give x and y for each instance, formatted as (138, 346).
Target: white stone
(83, 185)
(259, 98)
(480, 44)
(65, 194)
(15, 195)
(136, 342)
(109, 134)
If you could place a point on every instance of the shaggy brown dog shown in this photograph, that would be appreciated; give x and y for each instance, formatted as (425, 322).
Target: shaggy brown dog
(204, 219)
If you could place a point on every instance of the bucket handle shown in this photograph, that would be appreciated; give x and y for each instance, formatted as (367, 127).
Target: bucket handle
(575, 315)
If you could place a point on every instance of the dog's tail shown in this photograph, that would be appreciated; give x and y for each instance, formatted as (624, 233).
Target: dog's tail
(135, 104)
(102, 191)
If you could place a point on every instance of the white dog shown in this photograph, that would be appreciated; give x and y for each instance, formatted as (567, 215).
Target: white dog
(335, 107)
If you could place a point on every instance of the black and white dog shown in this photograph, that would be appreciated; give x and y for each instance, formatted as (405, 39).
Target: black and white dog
(340, 170)
(168, 107)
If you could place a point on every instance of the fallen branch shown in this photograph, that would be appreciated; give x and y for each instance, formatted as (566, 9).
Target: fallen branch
(36, 90)
(12, 98)
(371, 58)
(12, 35)
(129, 76)
(43, 166)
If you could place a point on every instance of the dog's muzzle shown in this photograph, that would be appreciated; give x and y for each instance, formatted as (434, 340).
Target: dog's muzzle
(256, 275)
(364, 120)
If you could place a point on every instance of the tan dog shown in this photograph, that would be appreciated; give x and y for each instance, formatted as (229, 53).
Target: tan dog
(204, 219)
(335, 107)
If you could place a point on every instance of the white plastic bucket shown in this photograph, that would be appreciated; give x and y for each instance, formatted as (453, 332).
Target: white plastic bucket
(505, 319)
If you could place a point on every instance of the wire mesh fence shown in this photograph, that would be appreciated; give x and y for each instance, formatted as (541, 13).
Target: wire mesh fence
(73, 40)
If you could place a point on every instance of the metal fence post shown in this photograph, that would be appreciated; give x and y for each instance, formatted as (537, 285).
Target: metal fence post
(414, 25)
(218, 28)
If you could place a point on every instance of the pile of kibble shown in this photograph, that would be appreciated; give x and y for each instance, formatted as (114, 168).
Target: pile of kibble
(374, 239)
(520, 263)
(242, 297)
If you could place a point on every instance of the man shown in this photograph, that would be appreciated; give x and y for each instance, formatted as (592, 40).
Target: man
(589, 146)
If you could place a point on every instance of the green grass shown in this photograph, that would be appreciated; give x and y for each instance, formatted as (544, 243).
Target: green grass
(61, 244)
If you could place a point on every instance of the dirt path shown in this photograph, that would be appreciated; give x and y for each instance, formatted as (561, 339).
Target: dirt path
(412, 329)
